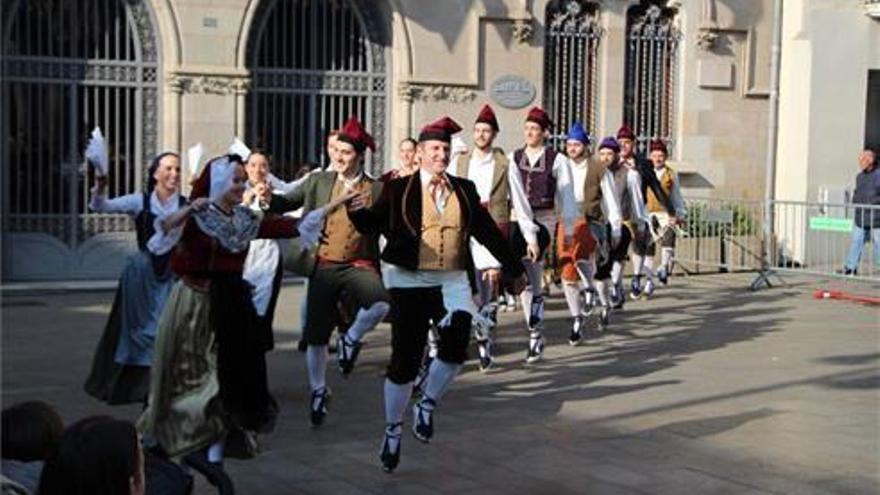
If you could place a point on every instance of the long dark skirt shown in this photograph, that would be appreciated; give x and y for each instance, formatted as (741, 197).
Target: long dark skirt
(120, 371)
(241, 360)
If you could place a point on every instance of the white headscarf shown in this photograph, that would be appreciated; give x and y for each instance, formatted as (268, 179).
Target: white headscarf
(222, 173)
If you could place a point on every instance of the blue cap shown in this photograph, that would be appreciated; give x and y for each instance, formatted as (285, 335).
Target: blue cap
(577, 133)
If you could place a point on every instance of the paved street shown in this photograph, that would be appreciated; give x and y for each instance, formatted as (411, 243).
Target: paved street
(724, 391)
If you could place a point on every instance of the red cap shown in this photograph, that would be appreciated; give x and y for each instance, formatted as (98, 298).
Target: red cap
(487, 116)
(353, 133)
(658, 145)
(439, 130)
(540, 117)
(626, 133)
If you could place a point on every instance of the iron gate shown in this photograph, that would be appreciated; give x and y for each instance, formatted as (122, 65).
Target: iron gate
(651, 62)
(570, 66)
(67, 66)
(313, 64)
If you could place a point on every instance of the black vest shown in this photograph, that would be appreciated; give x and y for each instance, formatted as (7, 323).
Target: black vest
(144, 227)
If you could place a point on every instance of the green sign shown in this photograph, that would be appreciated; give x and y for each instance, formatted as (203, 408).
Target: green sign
(832, 224)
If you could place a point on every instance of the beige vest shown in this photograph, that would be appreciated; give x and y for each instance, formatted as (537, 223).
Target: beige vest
(341, 241)
(441, 245)
(666, 181)
(499, 197)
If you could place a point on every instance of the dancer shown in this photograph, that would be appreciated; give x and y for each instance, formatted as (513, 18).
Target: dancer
(428, 219)
(120, 372)
(342, 260)
(546, 177)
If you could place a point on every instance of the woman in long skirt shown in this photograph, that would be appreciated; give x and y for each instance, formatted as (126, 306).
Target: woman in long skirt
(209, 377)
(120, 371)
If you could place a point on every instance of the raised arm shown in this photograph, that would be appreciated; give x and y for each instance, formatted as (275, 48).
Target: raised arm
(293, 199)
(131, 204)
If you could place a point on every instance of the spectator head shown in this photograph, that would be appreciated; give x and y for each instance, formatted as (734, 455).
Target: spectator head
(867, 159)
(407, 150)
(97, 456)
(258, 166)
(31, 431)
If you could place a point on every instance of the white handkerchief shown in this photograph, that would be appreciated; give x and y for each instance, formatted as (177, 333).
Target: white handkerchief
(194, 157)
(239, 148)
(96, 152)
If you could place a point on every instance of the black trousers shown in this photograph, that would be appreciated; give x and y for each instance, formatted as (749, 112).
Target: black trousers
(412, 312)
(603, 271)
(362, 285)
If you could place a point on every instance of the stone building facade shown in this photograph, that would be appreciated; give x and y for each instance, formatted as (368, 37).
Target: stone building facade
(281, 73)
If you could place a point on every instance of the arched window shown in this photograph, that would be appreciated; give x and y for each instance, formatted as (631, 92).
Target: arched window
(571, 44)
(69, 65)
(314, 63)
(651, 62)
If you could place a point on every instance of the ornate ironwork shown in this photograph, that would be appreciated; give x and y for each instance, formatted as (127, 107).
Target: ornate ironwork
(82, 63)
(314, 63)
(651, 63)
(571, 65)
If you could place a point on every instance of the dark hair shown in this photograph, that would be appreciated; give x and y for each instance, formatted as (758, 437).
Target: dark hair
(408, 140)
(97, 456)
(31, 431)
(154, 165)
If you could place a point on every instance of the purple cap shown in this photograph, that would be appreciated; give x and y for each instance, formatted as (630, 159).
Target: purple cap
(610, 143)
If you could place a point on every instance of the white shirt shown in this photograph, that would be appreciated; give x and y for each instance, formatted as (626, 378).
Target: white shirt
(132, 204)
(610, 192)
(565, 201)
(481, 171)
(578, 178)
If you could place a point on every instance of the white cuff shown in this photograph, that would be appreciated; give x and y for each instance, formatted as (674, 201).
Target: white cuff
(162, 242)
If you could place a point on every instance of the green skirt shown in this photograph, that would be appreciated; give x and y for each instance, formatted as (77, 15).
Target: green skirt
(184, 411)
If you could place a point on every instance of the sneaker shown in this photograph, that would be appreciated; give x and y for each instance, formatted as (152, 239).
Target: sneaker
(663, 276)
(635, 288)
(536, 348)
(485, 351)
(575, 337)
(649, 289)
(423, 419)
(390, 457)
(318, 406)
(347, 354)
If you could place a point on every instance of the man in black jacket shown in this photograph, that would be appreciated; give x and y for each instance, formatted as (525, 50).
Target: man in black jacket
(866, 220)
(428, 219)
(641, 237)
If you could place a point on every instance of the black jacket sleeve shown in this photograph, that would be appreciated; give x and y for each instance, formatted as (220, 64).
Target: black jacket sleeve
(293, 200)
(375, 218)
(649, 179)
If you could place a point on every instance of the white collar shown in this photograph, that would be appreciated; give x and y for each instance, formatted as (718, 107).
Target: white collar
(426, 176)
(350, 182)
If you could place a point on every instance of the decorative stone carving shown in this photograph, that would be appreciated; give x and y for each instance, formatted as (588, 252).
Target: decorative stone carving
(410, 91)
(708, 31)
(216, 85)
(522, 31)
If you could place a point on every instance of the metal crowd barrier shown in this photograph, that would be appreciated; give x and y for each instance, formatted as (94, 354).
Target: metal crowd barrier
(810, 238)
